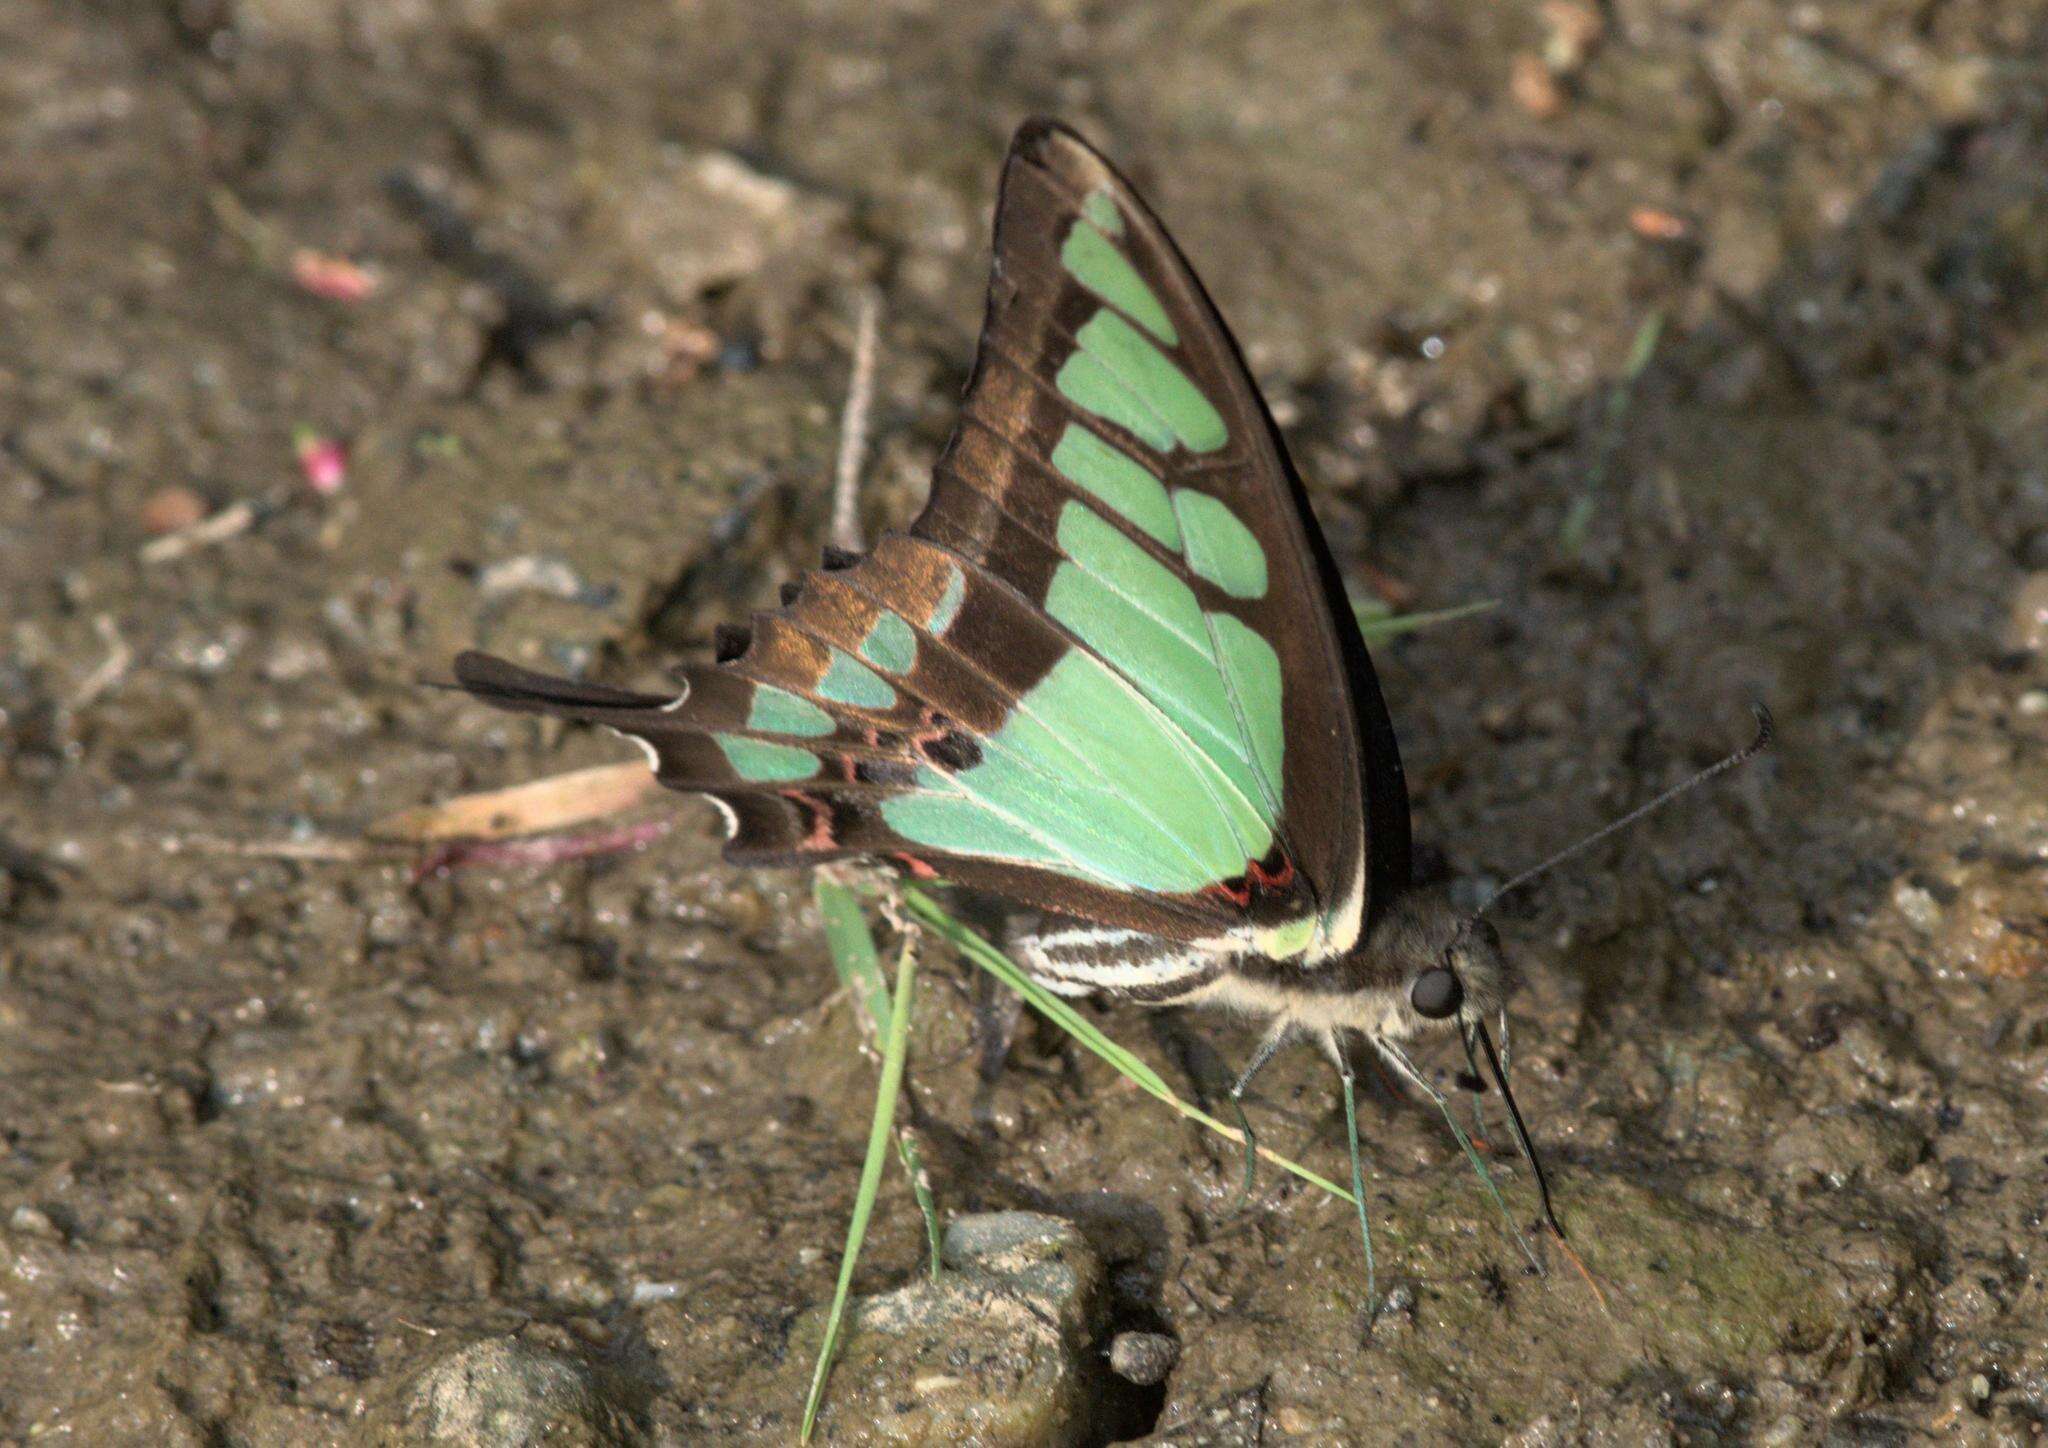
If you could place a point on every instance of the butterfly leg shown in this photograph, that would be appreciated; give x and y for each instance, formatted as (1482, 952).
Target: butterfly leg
(997, 1012)
(996, 1015)
(1398, 1059)
(1337, 1053)
(1268, 1049)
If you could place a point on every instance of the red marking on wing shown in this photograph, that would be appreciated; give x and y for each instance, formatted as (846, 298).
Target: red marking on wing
(820, 836)
(1240, 896)
(1266, 879)
(919, 870)
(1258, 879)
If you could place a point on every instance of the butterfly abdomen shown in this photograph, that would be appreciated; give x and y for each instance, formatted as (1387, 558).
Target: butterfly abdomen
(1075, 958)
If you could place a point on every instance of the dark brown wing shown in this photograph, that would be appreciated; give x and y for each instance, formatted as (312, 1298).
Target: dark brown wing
(1111, 672)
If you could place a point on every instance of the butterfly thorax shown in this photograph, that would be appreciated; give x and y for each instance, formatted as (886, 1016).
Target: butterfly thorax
(1421, 952)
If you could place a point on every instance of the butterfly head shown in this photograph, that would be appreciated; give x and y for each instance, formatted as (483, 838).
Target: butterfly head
(1445, 967)
(1450, 972)
(1468, 981)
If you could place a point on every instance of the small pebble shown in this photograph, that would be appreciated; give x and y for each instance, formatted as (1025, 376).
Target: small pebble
(1573, 29)
(504, 1390)
(171, 509)
(1917, 904)
(1534, 88)
(1963, 89)
(2026, 627)
(323, 460)
(1143, 1358)
(32, 1223)
(1654, 223)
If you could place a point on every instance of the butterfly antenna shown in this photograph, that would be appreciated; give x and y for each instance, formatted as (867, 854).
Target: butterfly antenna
(1766, 731)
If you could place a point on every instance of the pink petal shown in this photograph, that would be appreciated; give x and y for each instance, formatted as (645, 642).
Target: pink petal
(334, 278)
(323, 460)
(540, 850)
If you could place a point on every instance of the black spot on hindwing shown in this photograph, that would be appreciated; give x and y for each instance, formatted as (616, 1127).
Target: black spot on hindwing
(895, 772)
(953, 750)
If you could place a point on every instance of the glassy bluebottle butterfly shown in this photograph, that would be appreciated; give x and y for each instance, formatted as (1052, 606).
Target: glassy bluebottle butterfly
(1109, 673)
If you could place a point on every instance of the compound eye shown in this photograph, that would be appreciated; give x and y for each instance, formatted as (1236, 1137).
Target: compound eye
(1437, 993)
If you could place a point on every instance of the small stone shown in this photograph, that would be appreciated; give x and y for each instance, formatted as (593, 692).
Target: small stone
(292, 659)
(1917, 904)
(1143, 1358)
(1963, 89)
(1571, 30)
(32, 1223)
(1988, 927)
(708, 219)
(1005, 1348)
(171, 510)
(1786, 1431)
(2026, 628)
(504, 1391)
(1293, 1421)
(1535, 87)
(1745, 249)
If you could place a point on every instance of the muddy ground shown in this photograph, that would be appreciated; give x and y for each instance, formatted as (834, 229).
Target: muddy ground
(277, 1133)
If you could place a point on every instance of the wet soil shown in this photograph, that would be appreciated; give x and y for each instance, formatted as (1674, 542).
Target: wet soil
(282, 1125)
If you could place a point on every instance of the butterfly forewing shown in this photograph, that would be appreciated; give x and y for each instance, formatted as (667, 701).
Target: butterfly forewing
(1110, 673)
(1107, 391)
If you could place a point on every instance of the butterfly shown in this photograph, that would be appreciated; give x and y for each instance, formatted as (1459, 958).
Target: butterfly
(1110, 673)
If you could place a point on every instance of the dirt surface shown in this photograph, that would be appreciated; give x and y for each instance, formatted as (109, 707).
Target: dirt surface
(279, 1134)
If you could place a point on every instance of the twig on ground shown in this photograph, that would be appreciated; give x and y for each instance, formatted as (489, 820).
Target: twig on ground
(111, 670)
(853, 427)
(313, 847)
(524, 809)
(234, 518)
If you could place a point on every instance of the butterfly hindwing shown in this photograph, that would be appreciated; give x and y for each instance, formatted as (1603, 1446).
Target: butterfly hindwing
(1109, 673)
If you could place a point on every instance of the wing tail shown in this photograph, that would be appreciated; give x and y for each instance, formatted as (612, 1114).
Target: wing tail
(524, 691)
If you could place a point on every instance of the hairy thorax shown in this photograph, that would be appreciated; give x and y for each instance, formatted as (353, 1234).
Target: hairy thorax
(1370, 989)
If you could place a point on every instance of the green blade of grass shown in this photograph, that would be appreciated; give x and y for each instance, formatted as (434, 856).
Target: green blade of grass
(895, 1047)
(1376, 626)
(1577, 525)
(1644, 345)
(852, 947)
(1063, 1015)
(921, 1188)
